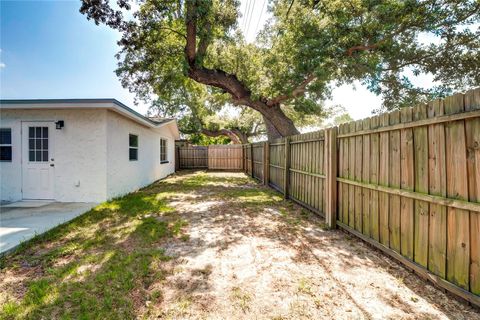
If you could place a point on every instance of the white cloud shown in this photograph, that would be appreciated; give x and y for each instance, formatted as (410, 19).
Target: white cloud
(357, 100)
(2, 65)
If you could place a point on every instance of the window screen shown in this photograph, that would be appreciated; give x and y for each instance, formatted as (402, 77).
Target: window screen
(133, 147)
(5, 144)
(163, 151)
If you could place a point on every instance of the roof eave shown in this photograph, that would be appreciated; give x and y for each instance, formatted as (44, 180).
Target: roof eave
(80, 103)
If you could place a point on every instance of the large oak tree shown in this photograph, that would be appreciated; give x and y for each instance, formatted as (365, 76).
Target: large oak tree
(306, 47)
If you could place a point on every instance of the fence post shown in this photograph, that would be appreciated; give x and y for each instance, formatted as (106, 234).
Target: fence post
(177, 158)
(266, 163)
(286, 177)
(245, 166)
(243, 158)
(331, 177)
(251, 159)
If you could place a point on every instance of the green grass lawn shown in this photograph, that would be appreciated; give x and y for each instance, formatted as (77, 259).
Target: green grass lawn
(103, 263)
(202, 245)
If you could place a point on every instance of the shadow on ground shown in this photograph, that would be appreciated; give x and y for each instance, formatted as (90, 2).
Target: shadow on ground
(211, 245)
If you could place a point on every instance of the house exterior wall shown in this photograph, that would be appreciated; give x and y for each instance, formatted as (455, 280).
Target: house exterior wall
(123, 175)
(79, 153)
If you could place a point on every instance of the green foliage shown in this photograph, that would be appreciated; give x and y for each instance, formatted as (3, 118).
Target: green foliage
(203, 140)
(382, 44)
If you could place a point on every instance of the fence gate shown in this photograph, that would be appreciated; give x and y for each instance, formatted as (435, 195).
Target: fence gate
(225, 157)
(216, 157)
(193, 157)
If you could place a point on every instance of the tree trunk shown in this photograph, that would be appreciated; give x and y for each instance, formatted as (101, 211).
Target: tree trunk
(277, 123)
(241, 135)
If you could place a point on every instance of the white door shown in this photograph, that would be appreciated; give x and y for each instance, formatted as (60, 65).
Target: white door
(38, 168)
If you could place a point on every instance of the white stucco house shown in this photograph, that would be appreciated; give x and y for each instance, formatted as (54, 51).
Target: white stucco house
(80, 150)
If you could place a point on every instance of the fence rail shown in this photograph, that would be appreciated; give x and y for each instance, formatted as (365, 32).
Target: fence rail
(407, 181)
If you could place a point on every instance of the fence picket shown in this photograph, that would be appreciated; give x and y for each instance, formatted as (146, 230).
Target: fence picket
(420, 141)
(394, 182)
(407, 183)
(383, 180)
(458, 229)
(437, 186)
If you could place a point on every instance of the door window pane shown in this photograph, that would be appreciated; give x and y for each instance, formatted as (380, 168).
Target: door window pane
(38, 144)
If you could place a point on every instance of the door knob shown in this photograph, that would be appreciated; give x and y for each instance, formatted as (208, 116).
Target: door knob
(52, 165)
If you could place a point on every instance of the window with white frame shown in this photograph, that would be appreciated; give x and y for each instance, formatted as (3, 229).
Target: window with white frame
(133, 147)
(163, 151)
(5, 144)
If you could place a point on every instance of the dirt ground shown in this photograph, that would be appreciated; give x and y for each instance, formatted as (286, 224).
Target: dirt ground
(278, 261)
(210, 245)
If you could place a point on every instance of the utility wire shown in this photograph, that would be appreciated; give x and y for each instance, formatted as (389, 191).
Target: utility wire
(245, 16)
(289, 8)
(260, 17)
(250, 17)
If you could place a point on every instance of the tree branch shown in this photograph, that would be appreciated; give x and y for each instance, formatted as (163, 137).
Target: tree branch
(236, 139)
(299, 90)
(353, 49)
(191, 22)
(174, 31)
(204, 42)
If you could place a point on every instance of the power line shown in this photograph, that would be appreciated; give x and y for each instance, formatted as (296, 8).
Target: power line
(289, 8)
(250, 17)
(260, 17)
(245, 16)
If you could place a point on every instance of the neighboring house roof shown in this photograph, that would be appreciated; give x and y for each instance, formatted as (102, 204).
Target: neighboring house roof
(160, 120)
(112, 104)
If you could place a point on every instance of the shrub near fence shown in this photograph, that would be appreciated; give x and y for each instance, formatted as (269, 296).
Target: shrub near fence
(408, 182)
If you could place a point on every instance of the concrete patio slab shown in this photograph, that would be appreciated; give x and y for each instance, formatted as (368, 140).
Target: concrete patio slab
(27, 204)
(20, 221)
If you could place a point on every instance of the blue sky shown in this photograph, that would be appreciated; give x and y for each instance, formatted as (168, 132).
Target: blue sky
(50, 50)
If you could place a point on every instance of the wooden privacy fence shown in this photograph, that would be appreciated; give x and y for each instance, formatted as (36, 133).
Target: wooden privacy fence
(218, 157)
(225, 157)
(408, 182)
(192, 157)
